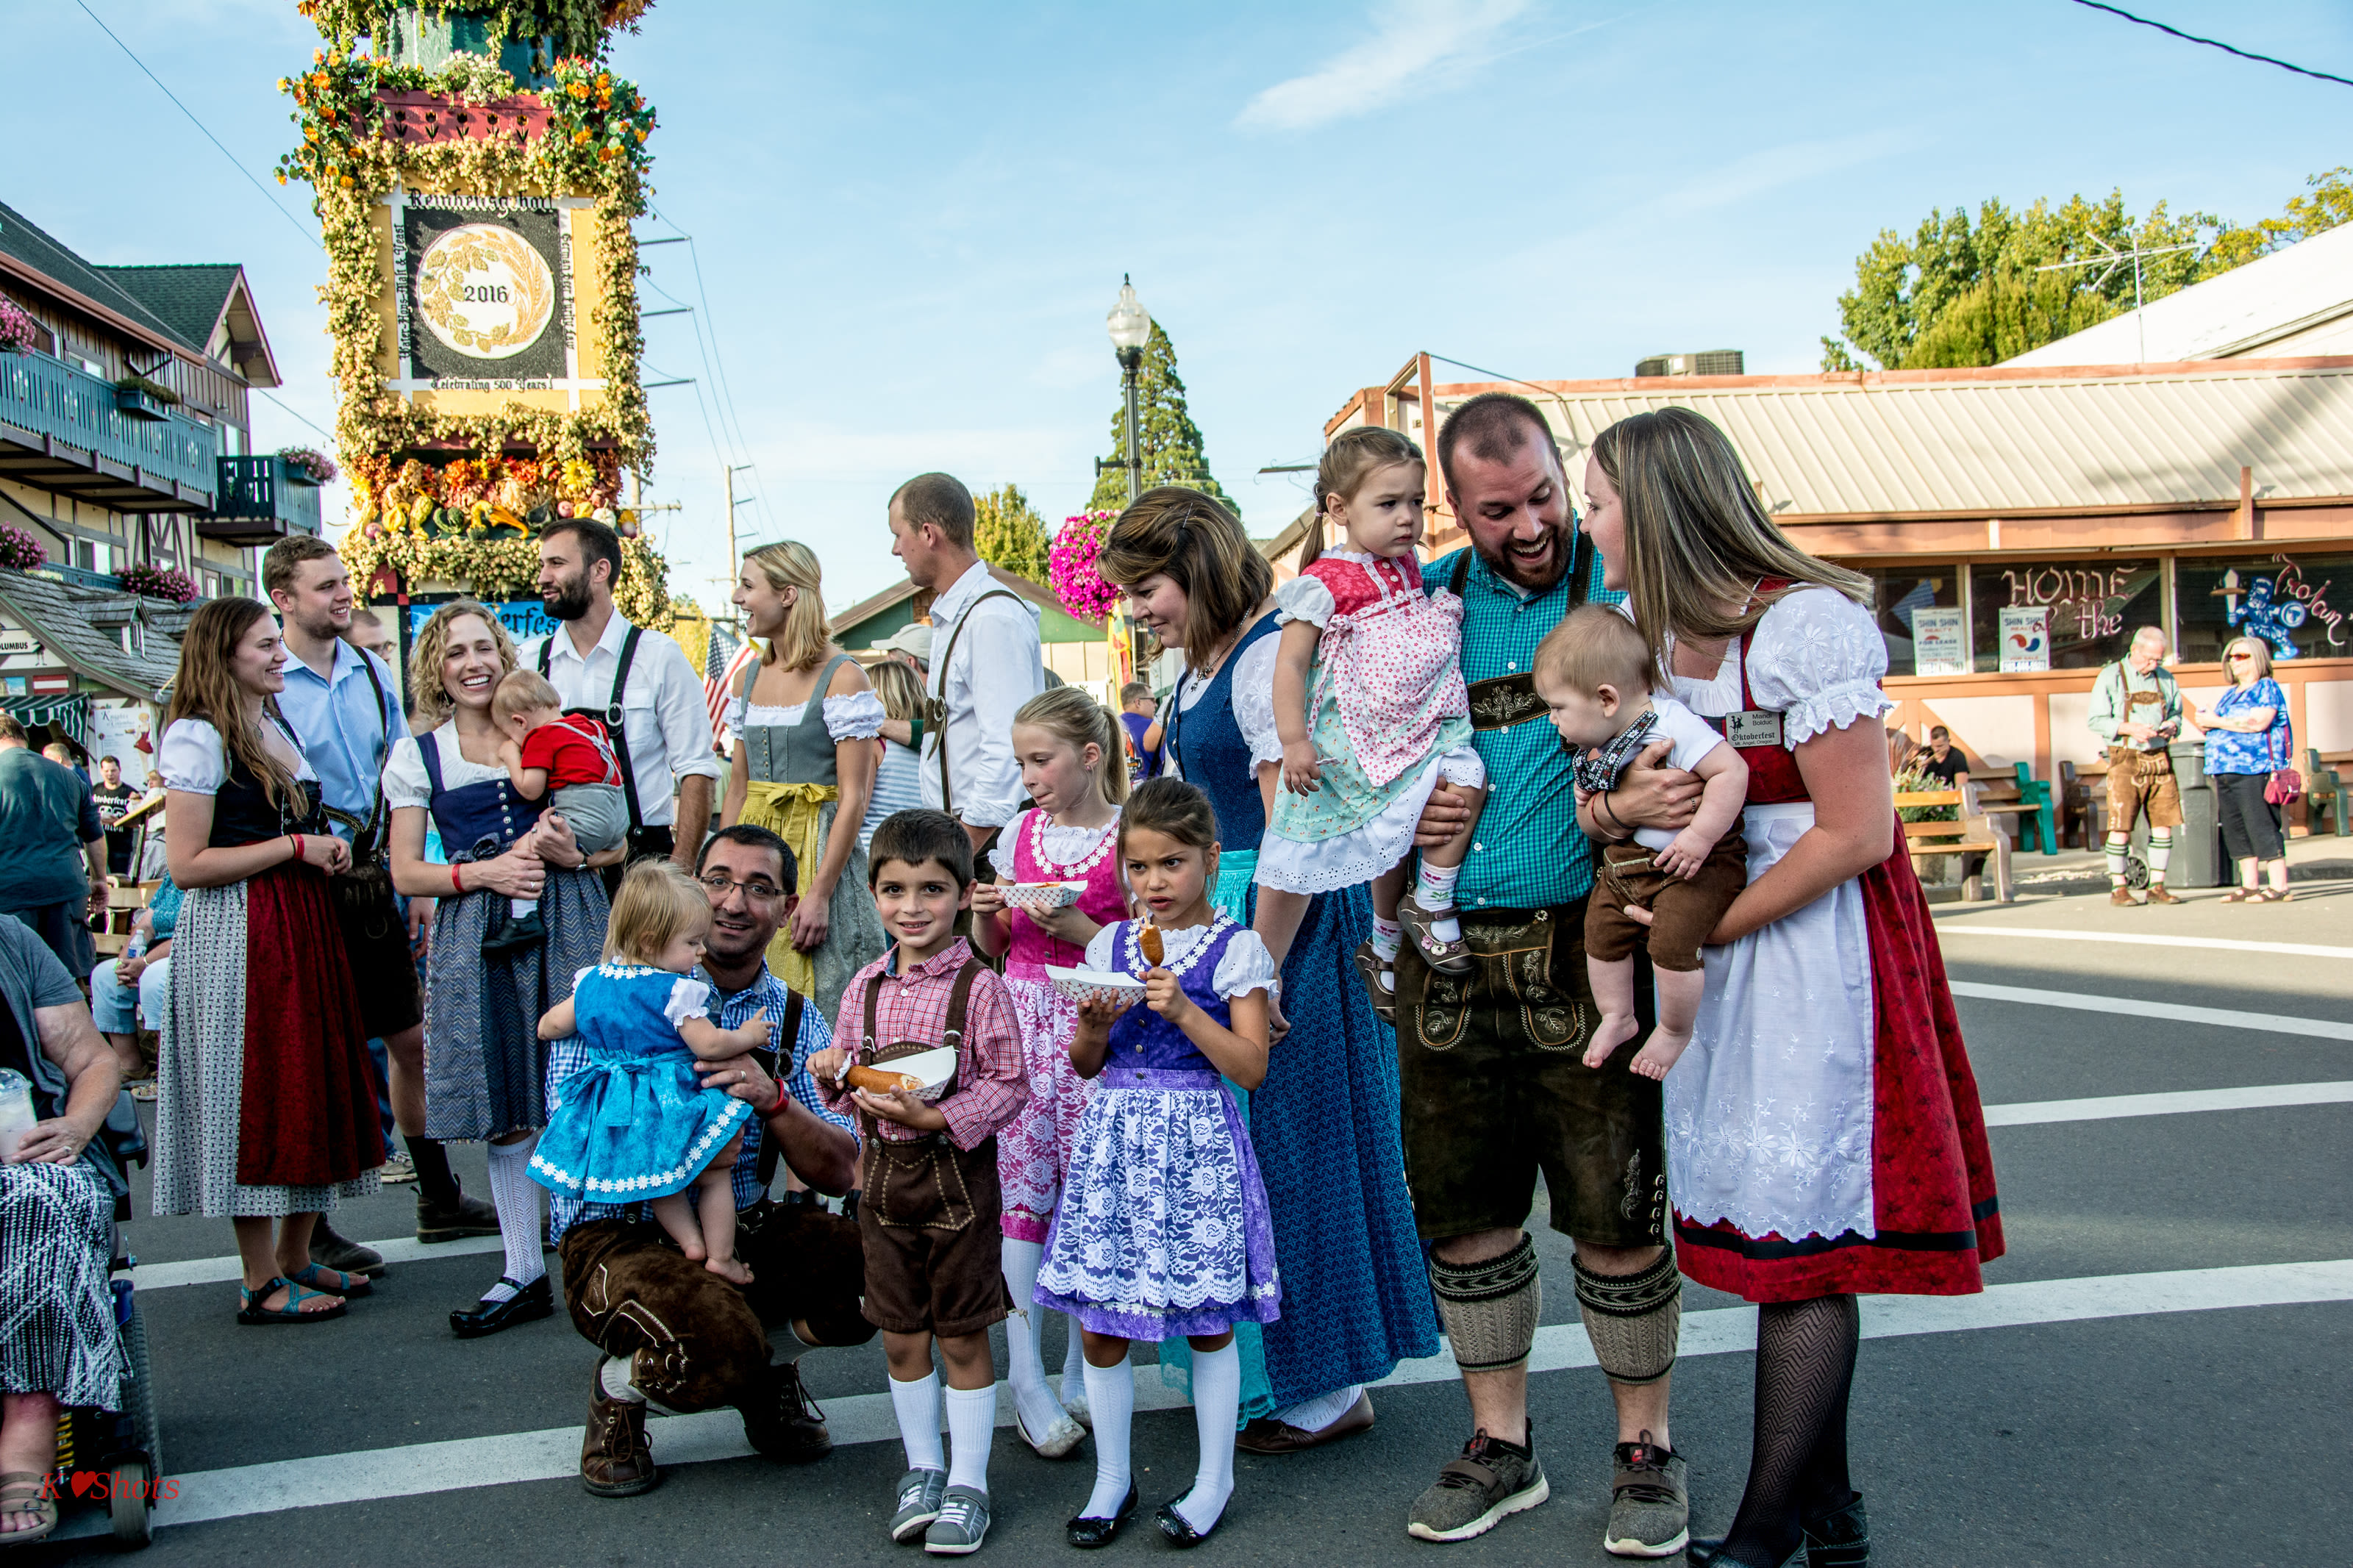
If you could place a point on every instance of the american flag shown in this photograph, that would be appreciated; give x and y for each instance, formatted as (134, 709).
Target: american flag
(726, 660)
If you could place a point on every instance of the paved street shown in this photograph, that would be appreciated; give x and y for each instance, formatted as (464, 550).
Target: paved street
(2160, 1373)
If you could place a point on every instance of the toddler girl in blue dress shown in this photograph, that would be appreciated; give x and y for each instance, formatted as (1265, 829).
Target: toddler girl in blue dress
(636, 1125)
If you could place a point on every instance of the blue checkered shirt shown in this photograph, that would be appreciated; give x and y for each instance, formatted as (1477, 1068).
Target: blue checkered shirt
(569, 1055)
(1528, 852)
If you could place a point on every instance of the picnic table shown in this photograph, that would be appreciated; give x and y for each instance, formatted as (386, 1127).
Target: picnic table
(1967, 832)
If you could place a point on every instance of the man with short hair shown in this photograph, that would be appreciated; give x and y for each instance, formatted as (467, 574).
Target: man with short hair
(52, 849)
(637, 681)
(1946, 762)
(1139, 716)
(114, 797)
(345, 705)
(1490, 1064)
(370, 635)
(986, 660)
(674, 1333)
(2137, 710)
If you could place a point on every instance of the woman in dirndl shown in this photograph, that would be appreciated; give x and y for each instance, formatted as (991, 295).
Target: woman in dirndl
(485, 1069)
(1324, 1125)
(807, 741)
(262, 990)
(1824, 1134)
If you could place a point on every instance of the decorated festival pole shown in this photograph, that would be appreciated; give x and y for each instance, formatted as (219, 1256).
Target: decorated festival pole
(475, 178)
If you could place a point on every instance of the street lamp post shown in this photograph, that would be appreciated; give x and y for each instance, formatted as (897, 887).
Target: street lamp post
(1131, 328)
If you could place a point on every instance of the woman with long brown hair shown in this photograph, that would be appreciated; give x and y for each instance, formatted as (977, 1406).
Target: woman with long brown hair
(1820, 1151)
(806, 720)
(261, 990)
(485, 1069)
(1325, 1122)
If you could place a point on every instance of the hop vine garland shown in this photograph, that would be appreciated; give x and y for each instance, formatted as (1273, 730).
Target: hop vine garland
(576, 27)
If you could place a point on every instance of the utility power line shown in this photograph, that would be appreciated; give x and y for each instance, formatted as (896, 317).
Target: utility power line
(2215, 44)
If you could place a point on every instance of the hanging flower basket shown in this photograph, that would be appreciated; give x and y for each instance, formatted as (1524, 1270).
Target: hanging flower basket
(169, 583)
(19, 333)
(21, 549)
(1072, 564)
(308, 466)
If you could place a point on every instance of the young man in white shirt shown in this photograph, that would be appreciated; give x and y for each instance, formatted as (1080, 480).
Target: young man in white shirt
(599, 663)
(986, 660)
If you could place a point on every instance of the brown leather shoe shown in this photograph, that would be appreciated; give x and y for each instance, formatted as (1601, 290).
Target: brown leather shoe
(782, 1421)
(1267, 1435)
(616, 1459)
(2157, 895)
(2122, 898)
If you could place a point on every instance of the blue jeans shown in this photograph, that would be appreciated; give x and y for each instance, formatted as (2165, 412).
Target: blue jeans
(383, 1090)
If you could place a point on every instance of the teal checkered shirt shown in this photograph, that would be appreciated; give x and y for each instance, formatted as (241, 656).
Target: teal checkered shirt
(1528, 852)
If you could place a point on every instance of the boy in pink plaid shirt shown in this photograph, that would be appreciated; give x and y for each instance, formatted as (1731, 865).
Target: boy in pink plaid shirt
(929, 1217)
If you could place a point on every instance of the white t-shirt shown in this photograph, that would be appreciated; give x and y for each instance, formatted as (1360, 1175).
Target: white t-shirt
(1692, 737)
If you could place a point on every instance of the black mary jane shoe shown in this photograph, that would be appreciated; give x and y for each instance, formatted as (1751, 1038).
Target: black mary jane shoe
(1711, 1555)
(1178, 1530)
(514, 933)
(1088, 1532)
(529, 1301)
(1841, 1539)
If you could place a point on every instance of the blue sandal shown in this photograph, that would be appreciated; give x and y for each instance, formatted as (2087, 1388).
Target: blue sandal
(254, 1316)
(354, 1285)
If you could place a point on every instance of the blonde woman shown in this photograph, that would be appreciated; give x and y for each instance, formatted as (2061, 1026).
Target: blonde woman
(485, 1069)
(899, 774)
(1815, 1153)
(806, 722)
(2247, 741)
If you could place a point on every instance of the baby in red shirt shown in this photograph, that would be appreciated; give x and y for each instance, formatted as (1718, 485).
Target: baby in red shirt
(564, 758)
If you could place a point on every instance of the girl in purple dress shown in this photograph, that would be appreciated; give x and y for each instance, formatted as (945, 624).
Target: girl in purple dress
(1166, 1230)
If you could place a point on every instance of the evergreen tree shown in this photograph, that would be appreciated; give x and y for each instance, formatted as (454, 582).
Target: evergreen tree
(1009, 533)
(1166, 435)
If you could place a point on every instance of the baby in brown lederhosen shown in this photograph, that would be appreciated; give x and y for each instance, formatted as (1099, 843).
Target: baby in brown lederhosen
(1596, 674)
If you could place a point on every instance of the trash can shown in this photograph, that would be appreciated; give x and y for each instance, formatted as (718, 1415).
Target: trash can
(2197, 859)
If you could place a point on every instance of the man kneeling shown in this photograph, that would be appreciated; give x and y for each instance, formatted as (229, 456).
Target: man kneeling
(674, 1333)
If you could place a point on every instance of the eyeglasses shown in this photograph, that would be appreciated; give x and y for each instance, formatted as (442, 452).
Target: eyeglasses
(2242, 658)
(759, 890)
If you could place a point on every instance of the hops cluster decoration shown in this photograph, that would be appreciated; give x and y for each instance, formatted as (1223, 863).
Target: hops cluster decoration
(1071, 562)
(438, 496)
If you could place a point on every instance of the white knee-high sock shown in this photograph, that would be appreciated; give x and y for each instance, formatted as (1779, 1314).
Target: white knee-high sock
(1074, 1368)
(1217, 1400)
(972, 1426)
(1024, 1362)
(516, 1197)
(1111, 1393)
(2114, 851)
(2160, 853)
(917, 1406)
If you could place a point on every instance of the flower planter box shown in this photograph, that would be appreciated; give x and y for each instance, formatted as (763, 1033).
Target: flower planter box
(140, 403)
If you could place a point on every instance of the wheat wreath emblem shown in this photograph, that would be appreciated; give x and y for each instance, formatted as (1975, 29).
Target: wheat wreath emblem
(456, 262)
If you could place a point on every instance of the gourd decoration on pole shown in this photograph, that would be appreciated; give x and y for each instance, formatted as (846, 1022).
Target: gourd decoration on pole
(475, 178)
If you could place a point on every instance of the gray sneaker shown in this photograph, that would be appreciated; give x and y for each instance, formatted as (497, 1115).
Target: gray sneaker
(919, 1502)
(1472, 1494)
(1652, 1510)
(962, 1525)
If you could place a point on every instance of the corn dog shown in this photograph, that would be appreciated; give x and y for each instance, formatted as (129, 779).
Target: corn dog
(876, 1080)
(1147, 942)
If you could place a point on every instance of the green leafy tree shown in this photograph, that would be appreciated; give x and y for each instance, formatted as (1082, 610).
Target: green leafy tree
(1169, 440)
(1964, 293)
(1009, 533)
(2329, 204)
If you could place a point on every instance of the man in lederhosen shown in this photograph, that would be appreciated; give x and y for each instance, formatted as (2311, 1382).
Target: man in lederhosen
(2137, 710)
(1495, 1089)
(346, 706)
(637, 682)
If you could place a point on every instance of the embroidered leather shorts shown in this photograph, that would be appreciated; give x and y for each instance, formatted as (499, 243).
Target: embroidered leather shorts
(930, 1218)
(1495, 1090)
(2142, 782)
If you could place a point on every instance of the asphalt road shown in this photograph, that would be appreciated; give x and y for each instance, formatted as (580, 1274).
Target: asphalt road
(2190, 1403)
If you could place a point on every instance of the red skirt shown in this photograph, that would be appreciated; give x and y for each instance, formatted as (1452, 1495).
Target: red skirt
(1935, 1212)
(308, 1115)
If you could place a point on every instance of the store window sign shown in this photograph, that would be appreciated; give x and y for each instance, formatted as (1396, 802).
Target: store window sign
(2025, 638)
(2077, 599)
(525, 620)
(2273, 606)
(1940, 642)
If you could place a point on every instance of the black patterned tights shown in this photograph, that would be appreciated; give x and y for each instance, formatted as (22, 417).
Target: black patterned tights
(1797, 1465)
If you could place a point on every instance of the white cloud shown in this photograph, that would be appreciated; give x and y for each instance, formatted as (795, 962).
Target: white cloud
(1770, 169)
(1415, 45)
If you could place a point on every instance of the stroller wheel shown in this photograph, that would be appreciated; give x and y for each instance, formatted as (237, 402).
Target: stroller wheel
(129, 1485)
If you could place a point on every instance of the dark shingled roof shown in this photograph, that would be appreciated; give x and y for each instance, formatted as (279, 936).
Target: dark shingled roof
(30, 244)
(58, 613)
(188, 299)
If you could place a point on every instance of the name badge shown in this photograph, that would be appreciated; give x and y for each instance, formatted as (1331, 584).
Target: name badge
(1753, 727)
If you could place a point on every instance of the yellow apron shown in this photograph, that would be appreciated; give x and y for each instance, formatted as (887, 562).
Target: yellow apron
(794, 813)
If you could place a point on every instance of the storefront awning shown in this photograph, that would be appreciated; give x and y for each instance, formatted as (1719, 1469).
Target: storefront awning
(67, 716)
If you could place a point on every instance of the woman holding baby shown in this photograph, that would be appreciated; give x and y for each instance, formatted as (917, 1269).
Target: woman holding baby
(1822, 1149)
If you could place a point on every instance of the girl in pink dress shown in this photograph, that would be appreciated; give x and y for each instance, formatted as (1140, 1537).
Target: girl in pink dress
(1075, 766)
(1372, 712)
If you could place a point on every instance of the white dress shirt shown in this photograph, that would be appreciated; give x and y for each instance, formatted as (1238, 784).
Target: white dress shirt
(663, 715)
(1002, 641)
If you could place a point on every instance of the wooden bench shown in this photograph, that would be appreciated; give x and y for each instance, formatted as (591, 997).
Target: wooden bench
(123, 902)
(2025, 797)
(1973, 834)
(2083, 800)
(2324, 789)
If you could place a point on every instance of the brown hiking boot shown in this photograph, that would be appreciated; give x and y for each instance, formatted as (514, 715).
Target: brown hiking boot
(2122, 898)
(616, 1459)
(2157, 895)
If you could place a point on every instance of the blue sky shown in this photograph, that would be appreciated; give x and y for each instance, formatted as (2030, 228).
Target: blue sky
(911, 219)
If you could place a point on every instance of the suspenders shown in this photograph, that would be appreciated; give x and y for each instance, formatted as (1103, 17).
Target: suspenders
(939, 706)
(612, 717)
(778, 1069)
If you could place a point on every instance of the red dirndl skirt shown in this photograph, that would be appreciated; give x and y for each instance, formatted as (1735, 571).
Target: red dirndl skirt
(308, 1116)
(1935, 1214)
